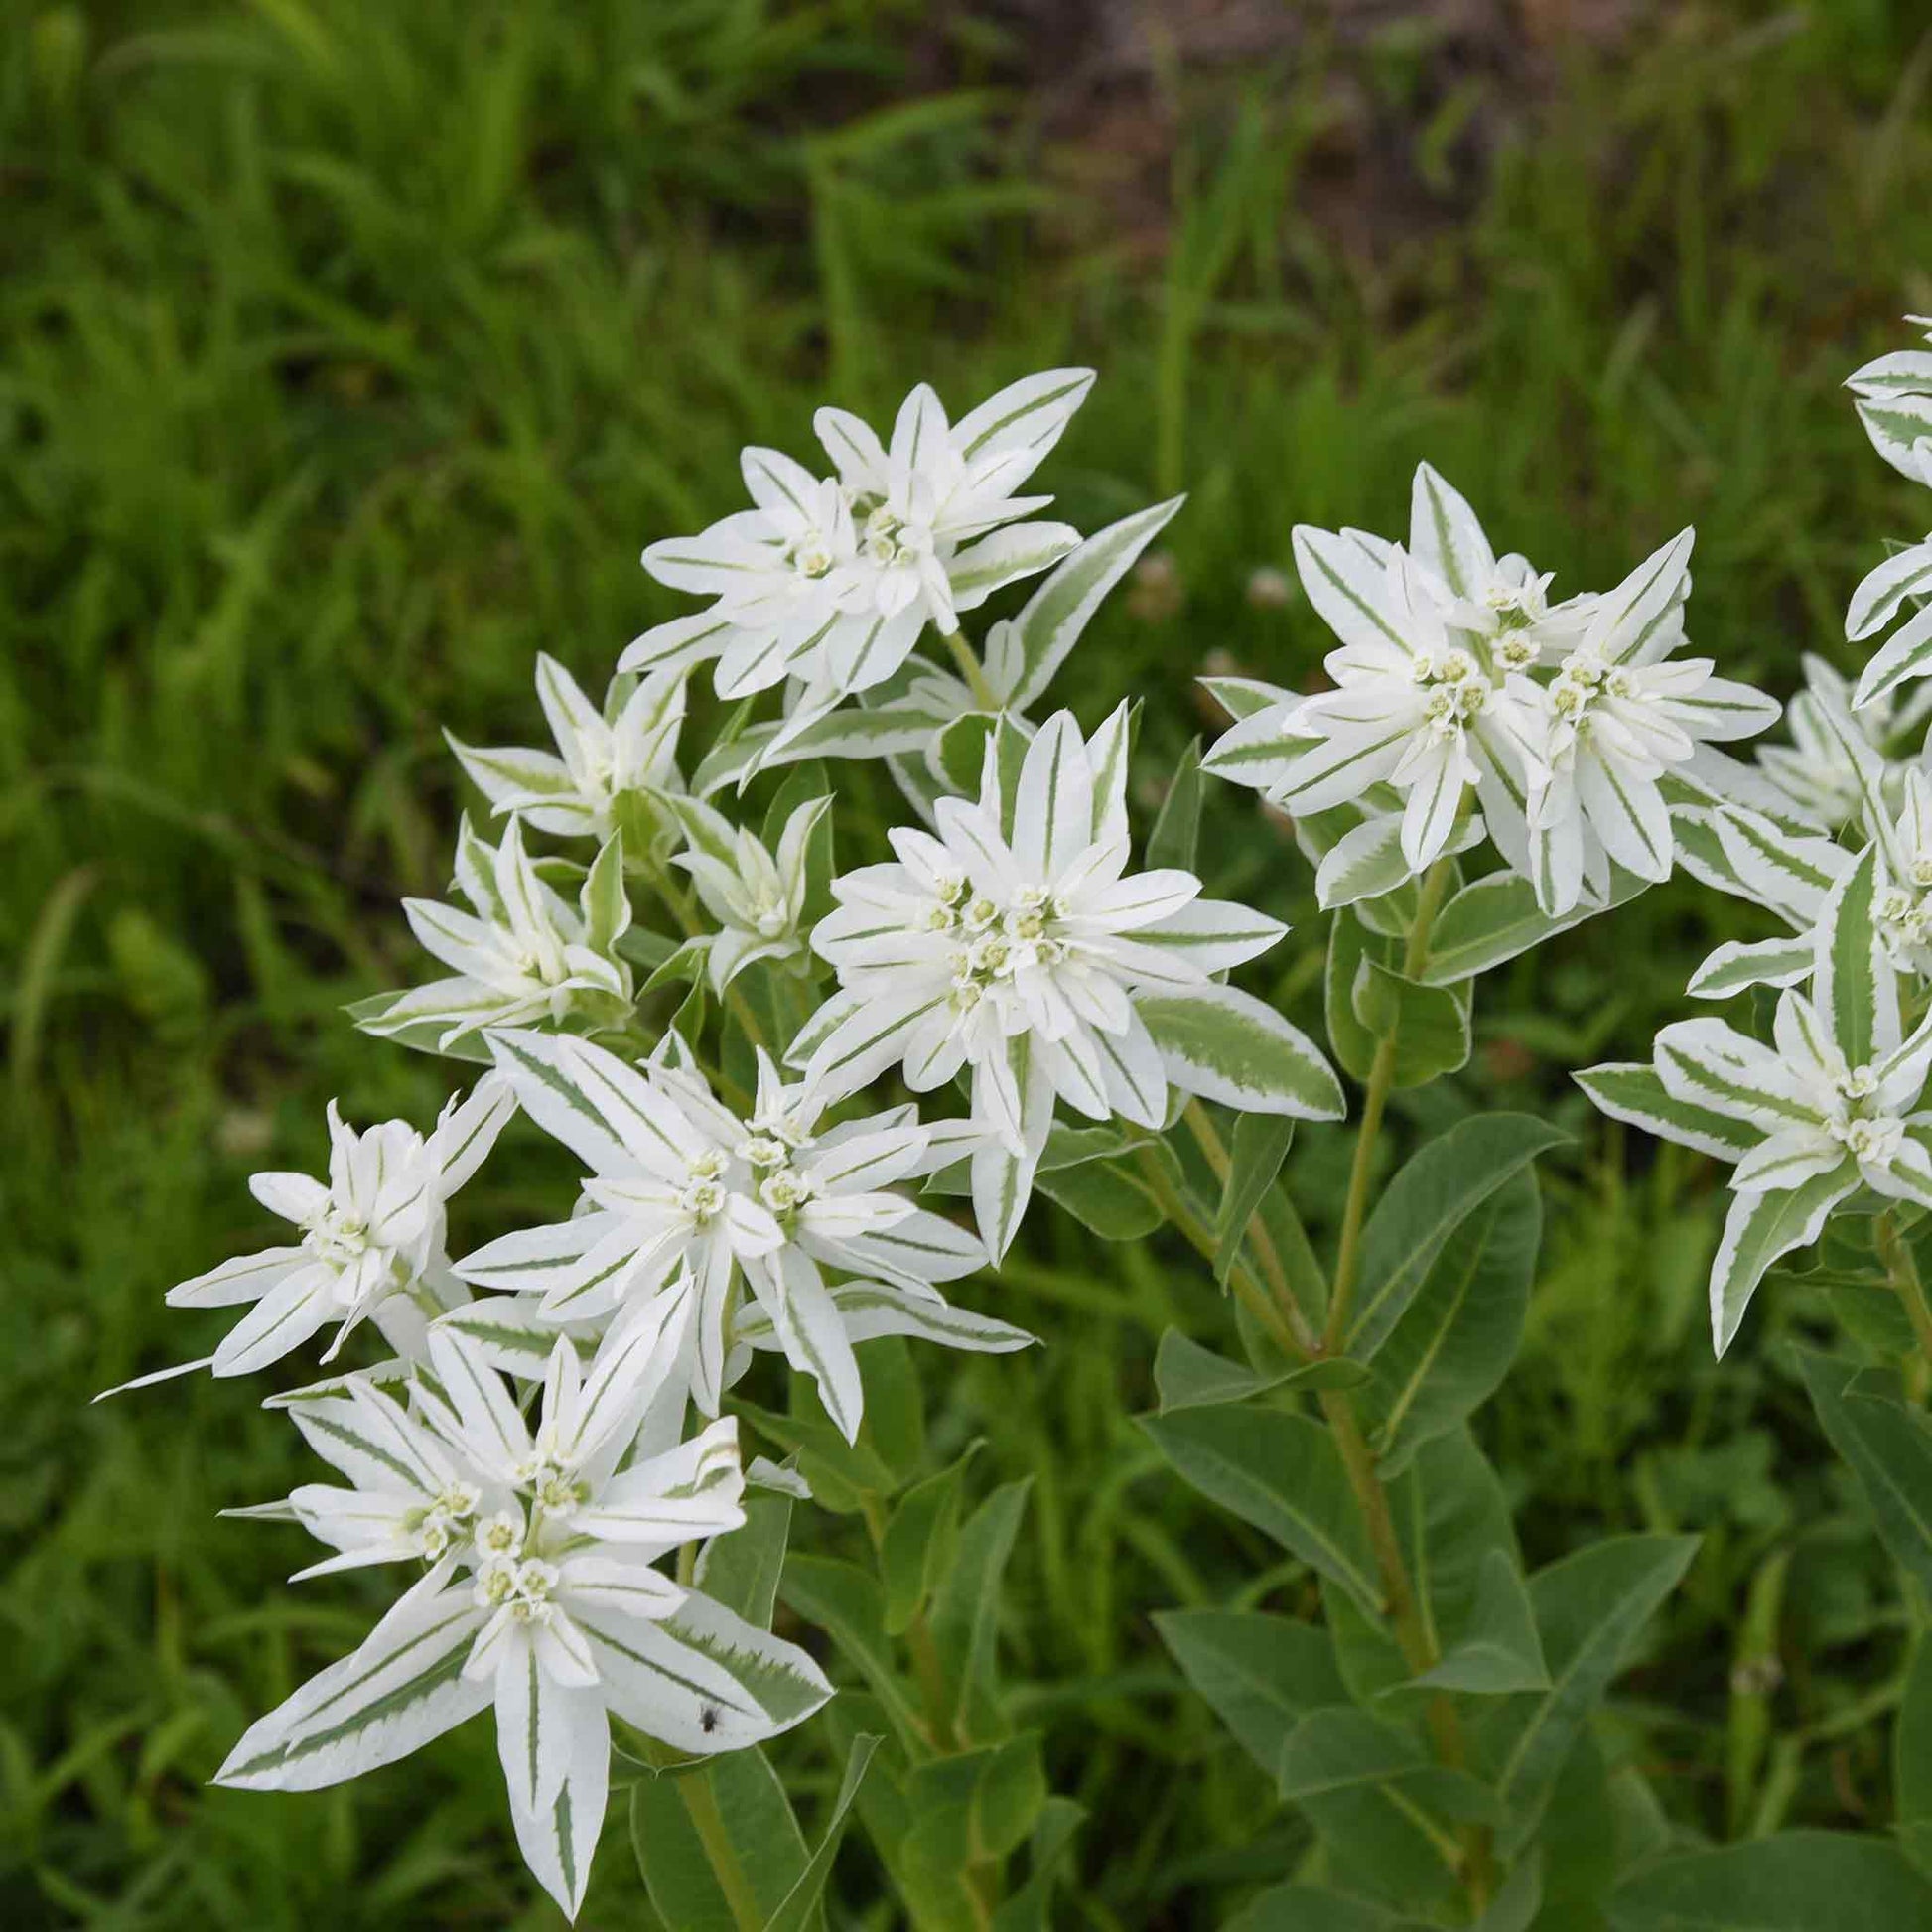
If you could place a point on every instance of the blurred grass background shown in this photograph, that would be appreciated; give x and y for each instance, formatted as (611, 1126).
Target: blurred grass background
(350, 354)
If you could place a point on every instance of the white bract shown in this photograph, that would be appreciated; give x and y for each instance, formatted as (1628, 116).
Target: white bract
(522, 953)
(679, 1184)
(543, 1599)
(1830, 1105)
(1015, 943)
(757, 897)
(829, 582)
(1839, 758)
(603, 757)
(1901, 586)
(1893, 399)
(1416, 707)
(1619, 716)
(372, 1239)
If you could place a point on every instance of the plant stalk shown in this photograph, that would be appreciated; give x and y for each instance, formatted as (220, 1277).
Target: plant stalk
(1381, 1079)
(972, 671)
(1901, 1266)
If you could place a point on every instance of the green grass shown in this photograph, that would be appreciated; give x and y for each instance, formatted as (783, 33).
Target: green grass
(350, 354)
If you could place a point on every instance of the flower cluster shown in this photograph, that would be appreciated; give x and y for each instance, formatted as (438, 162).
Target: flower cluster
(701, 1009)
(692, 1006)
(1831, 836)
(1460, 687)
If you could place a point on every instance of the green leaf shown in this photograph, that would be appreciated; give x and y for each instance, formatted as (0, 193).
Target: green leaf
(767, 1850)
(1384, 1810)
(1762, 1229)
(800, 1904)
(1027, 1910)
(1176, 837)
(968, 1812)
(1260, 1146)
(1224, 1045)
(1633, 1092)
(840, 1475)
(918, 1544)
(1260, 1673)
(1797, 1882)
(1281, 1472)
(1589, 1609)
(1456, 1339)
(1429, 1025)
(1432, 1195)
(1350, 948)
(960, 750)
(740, 1569)
(1499, 1651)
(1854, 982)
(1497, 918)
(1188, 1376)
(1107, 1197)
(846, 1604)
(1890, 1448)
(1911, 1741)
(1306, 1908)
(966, 1610)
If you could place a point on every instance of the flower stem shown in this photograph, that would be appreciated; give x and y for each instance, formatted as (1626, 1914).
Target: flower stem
(701, 1805)
(1208, 1139)
(1202, 1237)
(971, 670)
(1381, 1079)
(1902, 1269)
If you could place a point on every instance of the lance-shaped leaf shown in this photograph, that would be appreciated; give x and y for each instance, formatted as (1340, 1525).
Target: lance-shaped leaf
(1633, 1092)
(1284, 1474)
(1904, 655)
(761, 1845)
(1260, 1673)
(1762, 1229)
(1497, 918)
(1460, 1330)
(1225, 1046)
(404, 1687)
(1852, 980)
(1589, 1609)
(799, 1908)
(1739, 965)
(1432, 1195)
(1022, 654)
(1499, 1651)
(1188, 1376)
(1797, 1882)
(966, 1608)
(1890, 1448)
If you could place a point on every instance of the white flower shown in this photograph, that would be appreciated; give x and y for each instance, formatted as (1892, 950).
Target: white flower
(826, 1191)
(681, 1184)
(668, 1191)
(757, 897)
(543, 1599)
(372, 1239)
(1016, 944)
(1614, 719)
(831, 581)
(1418, 706)
(926, 510)
(523, 954)
(1821, 777)
(1832, 1105)
(601, 759)
(1504, 601)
